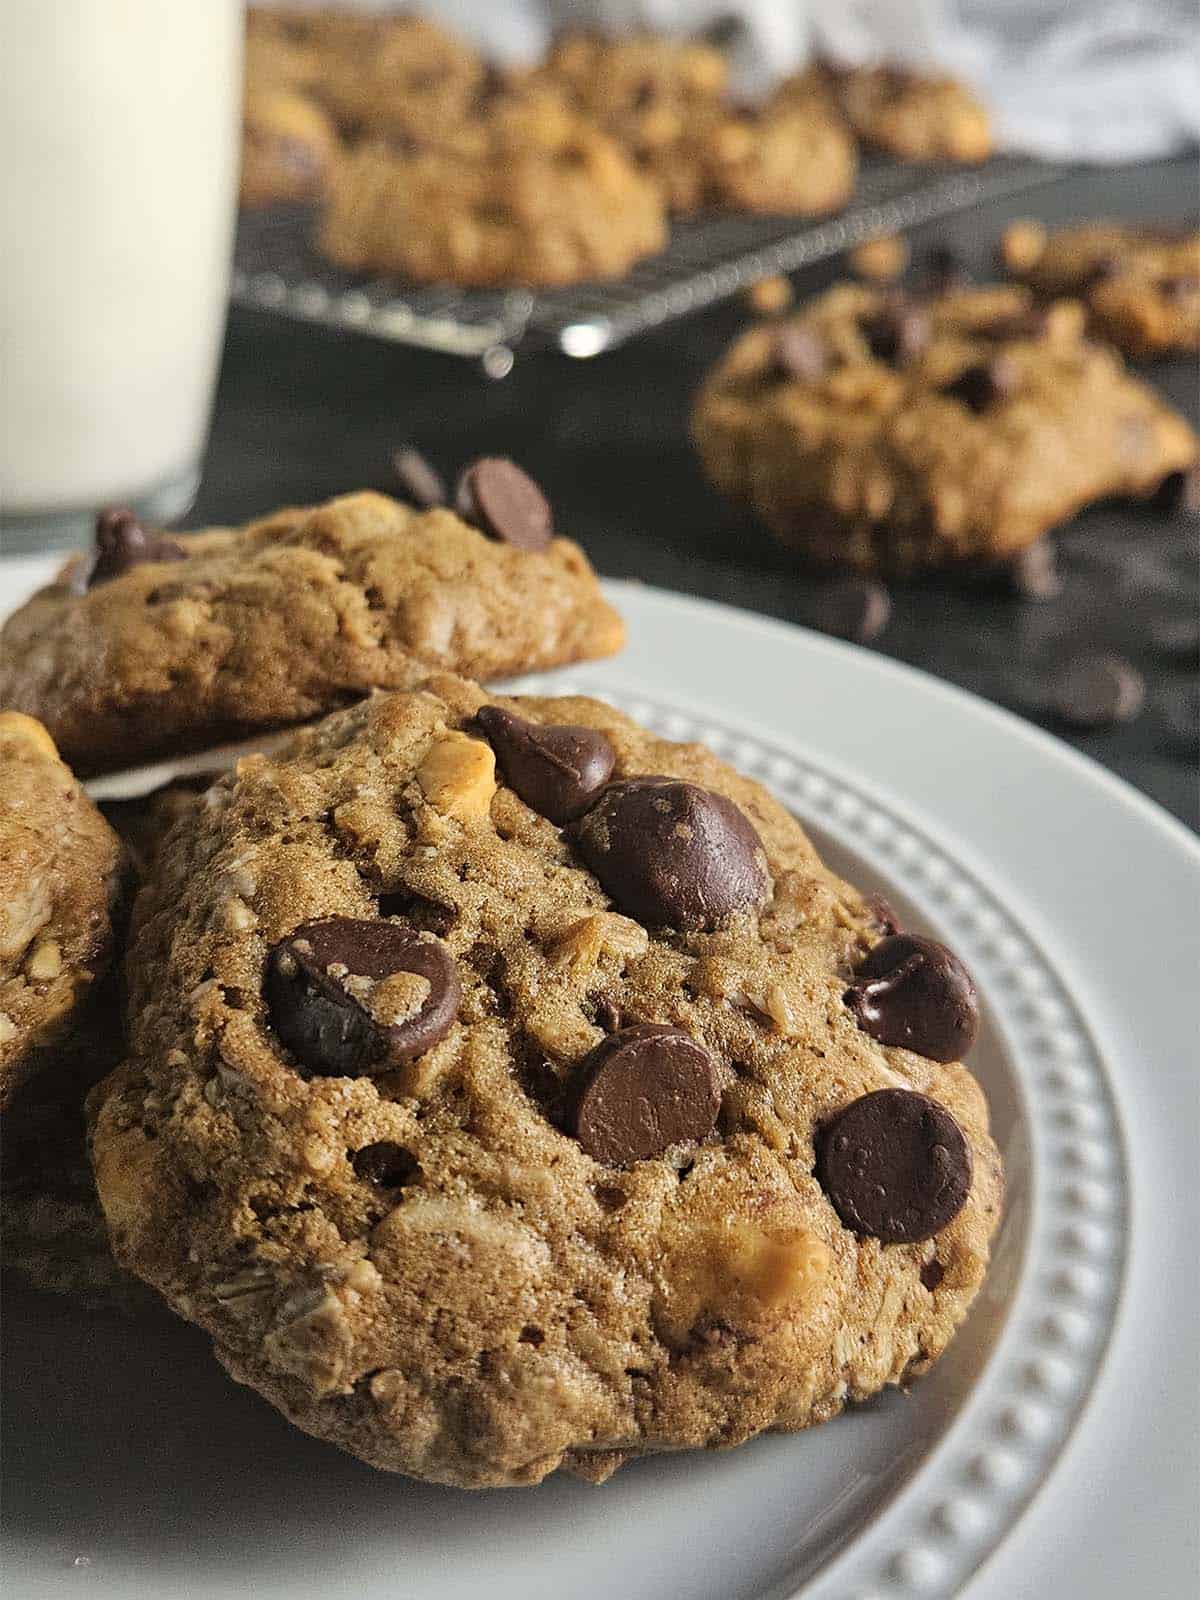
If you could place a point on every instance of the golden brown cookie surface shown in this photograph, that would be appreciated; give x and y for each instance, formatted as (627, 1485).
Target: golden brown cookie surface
(532, 1183)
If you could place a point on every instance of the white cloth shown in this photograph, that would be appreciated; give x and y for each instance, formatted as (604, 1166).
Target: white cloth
(1079, 80)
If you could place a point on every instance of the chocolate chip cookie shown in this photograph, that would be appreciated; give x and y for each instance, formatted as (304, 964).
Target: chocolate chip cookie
(51, 1226)
(912, 115)
(159, 645)
(889, 431)
(525, 192)
(61, 882)
(513, 1090)
(1141, 285)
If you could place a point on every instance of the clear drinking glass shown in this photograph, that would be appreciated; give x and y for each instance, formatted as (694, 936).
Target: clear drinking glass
(119, 155)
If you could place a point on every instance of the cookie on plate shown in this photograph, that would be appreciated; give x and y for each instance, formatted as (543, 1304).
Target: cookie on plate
(61, 884)
(52, 1229)
(159, 645)
(911, 115)
(1141, 285)
(526, 192)
(891, 432)
(512, 1090)
(288, 147)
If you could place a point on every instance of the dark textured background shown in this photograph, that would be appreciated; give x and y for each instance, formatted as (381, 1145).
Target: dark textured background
(304, 413)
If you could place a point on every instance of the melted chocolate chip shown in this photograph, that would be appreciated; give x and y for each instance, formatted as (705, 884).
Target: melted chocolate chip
(932, 1273)
(898, 331)
(557, 770)
(324, 1015)
(672, 854)
(1099, 692)
(915, 993)
(122, 542)
(798, 353)
(985, 384)
(419, 479)
(643, 1090)
(505, 503)
(895, 1166)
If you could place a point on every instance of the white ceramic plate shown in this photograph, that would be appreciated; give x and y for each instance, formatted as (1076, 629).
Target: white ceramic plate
(135, 1469)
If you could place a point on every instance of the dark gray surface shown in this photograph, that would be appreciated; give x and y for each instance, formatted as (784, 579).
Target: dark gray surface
(303, 413)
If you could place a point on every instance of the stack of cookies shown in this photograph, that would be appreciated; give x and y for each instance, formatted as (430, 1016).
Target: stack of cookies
(502, 1088)
(439, 166)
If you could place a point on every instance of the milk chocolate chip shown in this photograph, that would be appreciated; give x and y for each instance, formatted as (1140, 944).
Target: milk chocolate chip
(643, 1090)
(122, 543)
(914, 992)
(505, 503)
(558, 770)
(895, 1166)
(331, 988)
(672, 854)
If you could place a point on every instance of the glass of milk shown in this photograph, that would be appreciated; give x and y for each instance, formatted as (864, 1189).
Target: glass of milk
(119, 156)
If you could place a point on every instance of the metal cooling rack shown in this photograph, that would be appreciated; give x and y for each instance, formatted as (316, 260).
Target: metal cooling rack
(708, 259)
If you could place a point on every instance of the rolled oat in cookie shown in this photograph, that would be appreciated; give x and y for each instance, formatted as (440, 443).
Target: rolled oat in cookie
(510, 1090)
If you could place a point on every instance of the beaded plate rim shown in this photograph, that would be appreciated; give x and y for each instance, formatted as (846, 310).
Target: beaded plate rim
(1006, 1438)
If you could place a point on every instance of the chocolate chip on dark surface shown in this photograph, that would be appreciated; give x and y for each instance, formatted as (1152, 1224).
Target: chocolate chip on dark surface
(323, 988)
(672, 854)
(122, 542)
(557, 770)
(895, 1165)
(848, 608)
(913, 992)
(932, 1273)
(385, 1163)
(643, 1090)
(1099, 692)
(505, 503)
(898, 331)
(985, 384)
(1033, 572)
(419, 479)
(798, 353)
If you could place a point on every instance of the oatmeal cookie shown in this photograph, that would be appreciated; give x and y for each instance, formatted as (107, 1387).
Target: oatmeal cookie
(905, 113)
(890, 432)
(527, 192)
(61, 883)
(511, 1090)
(164, 645)
(288, 147)
(1141, 285)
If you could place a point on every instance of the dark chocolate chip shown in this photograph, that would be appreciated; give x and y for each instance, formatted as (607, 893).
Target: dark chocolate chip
(122, 543)
(420, 480)
(505, 503)
(913, 992)
(798, 353)
(895, 1166)
(557, 770)
(643, 1090)
(672, 854)
(898, 331)
(1099, 692)
(323, 1015)
(848, 608)
(385, 1163)
(932, 1273)
(1034, 573)
(985, 384)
